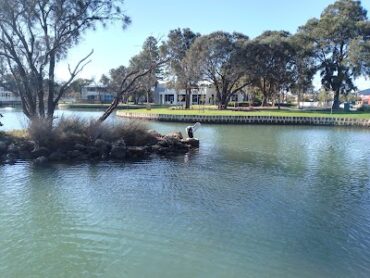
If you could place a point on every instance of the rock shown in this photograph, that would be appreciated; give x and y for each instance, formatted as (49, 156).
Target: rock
(10, 158)
(192, 142)
(103, 146)
(168, 141)
(93, 151)
(155, 148)
(24, 154)
(80, 147)
(120, 143)
(3, 147)
(104, 156)
(176, 134)
(118, 152)
(41, 160)
(12, 148)
(26, 146)
(42, 151)
(74, 154)
(154, 133)
(136, 151)
(152, 140)
(57, 156)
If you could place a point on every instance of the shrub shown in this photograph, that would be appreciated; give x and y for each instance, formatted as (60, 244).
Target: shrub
(134, 133)
(69, 131)
(39, 131)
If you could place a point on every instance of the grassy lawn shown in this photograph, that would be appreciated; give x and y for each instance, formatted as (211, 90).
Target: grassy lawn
(282, 113)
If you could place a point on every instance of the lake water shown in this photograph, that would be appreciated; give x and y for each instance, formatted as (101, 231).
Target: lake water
(254, 201)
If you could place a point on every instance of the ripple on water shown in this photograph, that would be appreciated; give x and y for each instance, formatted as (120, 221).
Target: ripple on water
(254, 201)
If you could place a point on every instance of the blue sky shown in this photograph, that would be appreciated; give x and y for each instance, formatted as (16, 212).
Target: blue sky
(114, 47)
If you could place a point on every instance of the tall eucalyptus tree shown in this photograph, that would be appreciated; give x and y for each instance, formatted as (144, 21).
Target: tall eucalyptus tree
(336, 36)
(218, 59)
(180, 71)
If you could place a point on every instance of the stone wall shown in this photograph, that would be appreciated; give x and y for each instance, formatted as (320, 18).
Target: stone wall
(261, 120)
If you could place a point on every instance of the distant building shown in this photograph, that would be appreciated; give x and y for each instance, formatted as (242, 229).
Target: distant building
(365, 96)
(204, 94)
(96, 94)
(8, 98)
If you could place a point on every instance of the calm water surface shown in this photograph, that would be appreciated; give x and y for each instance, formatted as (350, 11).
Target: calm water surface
(254, 201)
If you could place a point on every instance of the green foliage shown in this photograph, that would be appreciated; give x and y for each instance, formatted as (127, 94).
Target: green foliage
(75, 88)
(219, 59)
(272, 66)
(338, 37)
(149, 55)
(324, 96)
(181, 71)
(136, 80)
(36, 35)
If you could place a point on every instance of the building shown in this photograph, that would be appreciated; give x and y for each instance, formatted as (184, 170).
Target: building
(96, 94)
(365, 96)
(205, 94)
(8, 98)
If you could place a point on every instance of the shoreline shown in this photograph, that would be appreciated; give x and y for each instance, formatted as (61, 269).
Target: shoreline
(249, 120)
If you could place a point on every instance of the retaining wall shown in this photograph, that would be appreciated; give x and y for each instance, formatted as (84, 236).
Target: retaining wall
(262, 120)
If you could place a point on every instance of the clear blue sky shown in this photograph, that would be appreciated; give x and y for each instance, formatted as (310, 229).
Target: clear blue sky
(114, 47)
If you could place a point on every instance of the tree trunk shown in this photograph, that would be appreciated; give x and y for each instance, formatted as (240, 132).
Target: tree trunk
(223, 103)
(336, 101)
(299, 97)
(51, 86)
(109, 110)
(187, 98)
(264, 101)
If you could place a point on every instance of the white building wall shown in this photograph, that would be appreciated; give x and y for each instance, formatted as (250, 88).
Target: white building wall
(6, 96)
(96, 94)
(204, 95)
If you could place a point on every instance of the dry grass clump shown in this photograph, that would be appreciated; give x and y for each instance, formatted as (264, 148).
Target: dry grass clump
(134, 133)
(70, 131)
(75, 130)
(39, 131)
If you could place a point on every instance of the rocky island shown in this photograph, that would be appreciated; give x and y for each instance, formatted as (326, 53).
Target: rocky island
(75, 140)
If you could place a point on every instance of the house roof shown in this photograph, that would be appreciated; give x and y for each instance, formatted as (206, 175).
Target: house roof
(365, 92)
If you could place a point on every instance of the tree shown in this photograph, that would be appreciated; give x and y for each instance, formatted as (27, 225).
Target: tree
(75, 87)
(180, 69)
(124, 81)
(218, 58)
(360, 54)
(36, 34)
(333, 35)
(271, 64)
(149, 54)
(304, 63)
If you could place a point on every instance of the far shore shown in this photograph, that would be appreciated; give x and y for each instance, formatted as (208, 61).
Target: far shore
(257, 111)
(262, 117)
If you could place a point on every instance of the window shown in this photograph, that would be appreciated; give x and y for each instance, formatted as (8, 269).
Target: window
(169, 98)
(90, 97)
(195, 98)
(181, 98)
(108, 98)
